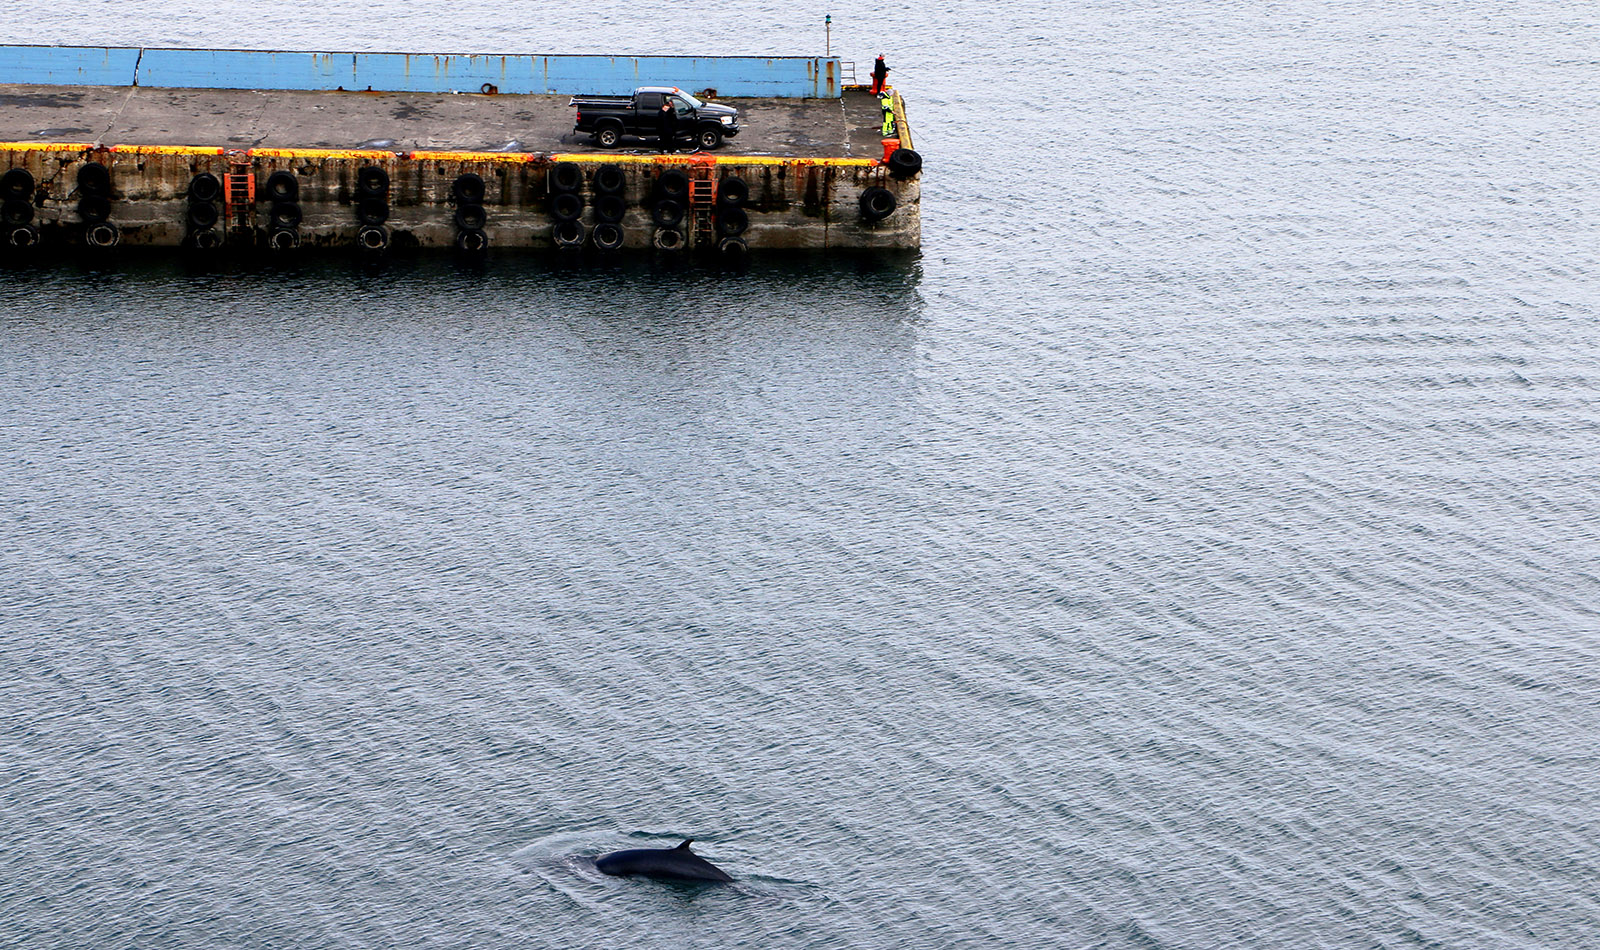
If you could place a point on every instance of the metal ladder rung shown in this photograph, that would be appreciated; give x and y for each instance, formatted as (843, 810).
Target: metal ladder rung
(240, 187)
(702, 191)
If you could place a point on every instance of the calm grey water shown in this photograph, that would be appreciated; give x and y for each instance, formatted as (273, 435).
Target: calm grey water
(1195, 546)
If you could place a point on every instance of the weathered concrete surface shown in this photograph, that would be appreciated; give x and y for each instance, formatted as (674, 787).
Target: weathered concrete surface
(401, 122)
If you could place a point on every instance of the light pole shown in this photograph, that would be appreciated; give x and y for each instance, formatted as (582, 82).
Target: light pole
(827, 26)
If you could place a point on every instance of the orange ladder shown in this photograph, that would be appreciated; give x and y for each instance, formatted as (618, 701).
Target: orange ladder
(239, 190)
(702, 201)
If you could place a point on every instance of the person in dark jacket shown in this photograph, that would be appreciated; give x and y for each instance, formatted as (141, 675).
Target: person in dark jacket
(669, 127)
(880, 72)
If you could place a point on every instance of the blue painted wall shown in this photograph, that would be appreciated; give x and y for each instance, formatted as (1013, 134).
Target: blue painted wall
(792, 76)
(243, 69)
(67, 65)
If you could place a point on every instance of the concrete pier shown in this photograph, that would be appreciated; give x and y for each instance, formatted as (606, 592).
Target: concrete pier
(259, 168)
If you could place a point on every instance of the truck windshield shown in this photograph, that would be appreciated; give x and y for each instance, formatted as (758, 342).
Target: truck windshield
(691, 100)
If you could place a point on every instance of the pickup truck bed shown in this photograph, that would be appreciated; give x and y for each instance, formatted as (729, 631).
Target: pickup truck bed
(600, 101)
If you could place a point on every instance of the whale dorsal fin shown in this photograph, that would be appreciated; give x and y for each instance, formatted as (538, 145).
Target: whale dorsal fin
(685, 845)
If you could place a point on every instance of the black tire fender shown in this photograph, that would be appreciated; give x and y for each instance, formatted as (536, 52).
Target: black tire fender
(673, 185)
(283, 239)
(668, 239)
(903, 163)
(202, 214)
(204, 187)
(18, 184)
(15, 212)
(93, 209)
(286, 216)
(877, 203)
(609, 209)
(610, 180)
(372, 237)
(471, 217)
(565, 177)
(608, 236)
(732, 221)
(467, 189)
(472, 241)
(372, 181)
(102, 235)
(283, 187)
(566, 206)
(733, 191)
(94, 179)
(372, 211)
(25, 235)
(568, 233)
(667, 213)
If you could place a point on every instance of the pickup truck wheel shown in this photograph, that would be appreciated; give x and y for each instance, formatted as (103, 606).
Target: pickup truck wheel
(607, 136)
(709, 139)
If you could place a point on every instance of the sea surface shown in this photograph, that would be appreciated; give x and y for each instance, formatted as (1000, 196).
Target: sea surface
(1196, 545)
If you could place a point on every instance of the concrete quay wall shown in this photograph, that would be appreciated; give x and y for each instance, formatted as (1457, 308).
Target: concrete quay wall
(146, 196)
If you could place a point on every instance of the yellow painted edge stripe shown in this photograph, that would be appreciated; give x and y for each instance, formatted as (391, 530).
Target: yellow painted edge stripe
(167, 149)
(322, 154)
(427, 155)
(901, 126)
(46, 146)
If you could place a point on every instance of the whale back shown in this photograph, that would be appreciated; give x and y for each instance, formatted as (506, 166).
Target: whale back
(665, 864)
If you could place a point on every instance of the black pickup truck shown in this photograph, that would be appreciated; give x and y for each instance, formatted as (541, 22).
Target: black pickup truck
(609, 118)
